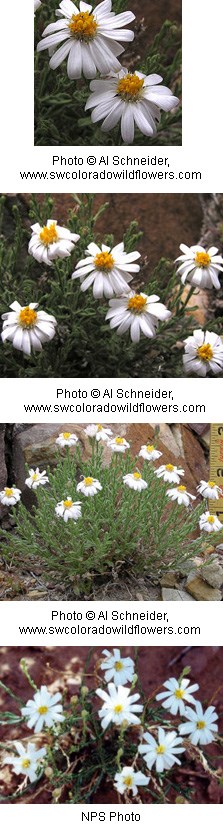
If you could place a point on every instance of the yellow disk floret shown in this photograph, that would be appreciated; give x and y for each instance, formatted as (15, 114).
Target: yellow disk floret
(8, 492)
(202, 259)
(42, 710)
(130, 87)
(48, 235)
(128, 781)
(205, 352)
(83, 26)
(26, 763)
(88, 481)
(68, 503)
(104, 261)
(27, 317)
(211, 520)
(137, 303)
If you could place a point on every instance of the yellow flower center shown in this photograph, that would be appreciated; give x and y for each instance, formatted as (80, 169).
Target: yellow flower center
(211, 484)
(27, 317)
(202, 259)
(128, 781)
(68, 503)
(119, 440)
(137, 303)
(8, 492)
(160, 749)
(129, 88)
(99, 427)
(205, 352)
(83, 26)
(104, 261)
(136, 475)
(42, 710)
(88, 481)
(118, 709)
(150, 448)
(66, 436)
(211, 520)
(201, 725)
(181, 488)
(169, 468)
(118, 665)
(34, 476)
(26, 763)
(179, 693)
(48, 235)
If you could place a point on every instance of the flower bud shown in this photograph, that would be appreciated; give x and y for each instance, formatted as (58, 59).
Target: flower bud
(74, 700)
(84, 691)
(48, 772)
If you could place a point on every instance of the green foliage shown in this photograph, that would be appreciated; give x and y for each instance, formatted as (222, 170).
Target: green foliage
(84, 345)
(60, 117)
(81, 757)
(120, 532)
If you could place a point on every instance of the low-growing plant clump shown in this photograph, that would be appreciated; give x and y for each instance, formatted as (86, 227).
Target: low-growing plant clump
(91, 521)
(138, 745)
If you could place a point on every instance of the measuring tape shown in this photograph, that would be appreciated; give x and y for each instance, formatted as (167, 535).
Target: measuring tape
(216, 467)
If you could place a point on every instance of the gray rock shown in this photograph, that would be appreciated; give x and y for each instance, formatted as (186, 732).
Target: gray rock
(213, 574)
(201, 590)
(175, 594)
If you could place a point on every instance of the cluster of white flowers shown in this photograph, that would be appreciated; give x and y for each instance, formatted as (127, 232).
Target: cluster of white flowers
(121, 708)
(162, 750)
(42, 711)
(110, 271)
(89, 486)
(91, 40)
(200, 268)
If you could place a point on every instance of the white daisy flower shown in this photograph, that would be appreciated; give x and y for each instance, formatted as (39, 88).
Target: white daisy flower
(129, 780)
(135, 481)
(51, 241)
(36, 478)
(200, 268)
(89, 486)
(42, 710)
(26, 328)
(209, 522)
(66, 439)
(176, 694)
(97, 431)
(149, 452)
(132, 98)
(27, 760)
(181, 495)
(68, 509)
(119, 669)
(109, 270)
(119, 706)
(170, 473)
(89, 37)
(161, 752)
(137, 312)
(209, 490)
(200, 724)
(118, 444)
(203, 352)
(37, 4)
(10, 496)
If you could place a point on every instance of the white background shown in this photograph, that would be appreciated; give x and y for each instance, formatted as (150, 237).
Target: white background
(202, 150)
